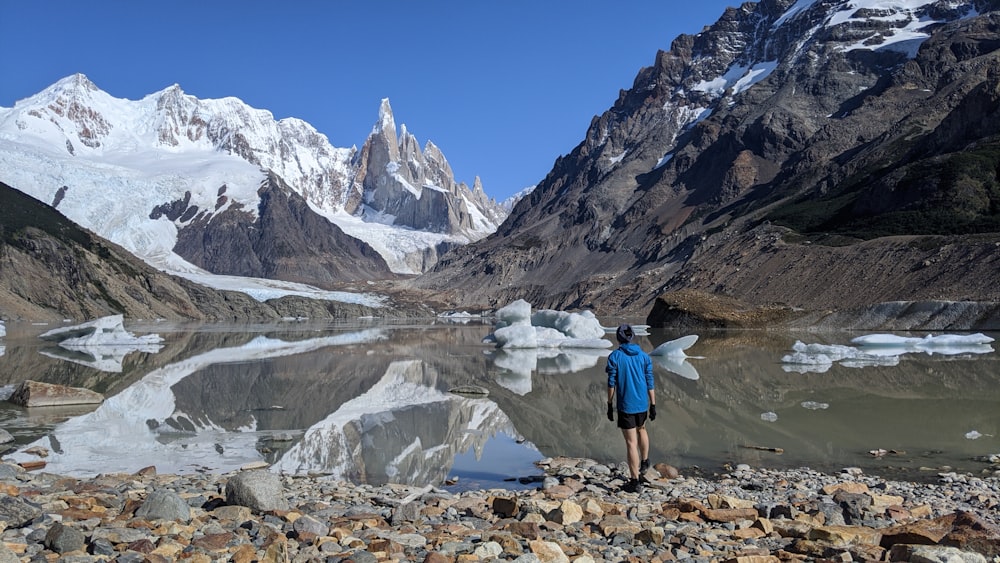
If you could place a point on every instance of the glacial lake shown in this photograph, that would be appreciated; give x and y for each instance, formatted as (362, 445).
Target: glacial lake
(372, 401)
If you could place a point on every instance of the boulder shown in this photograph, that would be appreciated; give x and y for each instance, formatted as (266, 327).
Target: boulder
(37, 394)
(164, 505)
(63, 539)
(17, 512)
(260, 491)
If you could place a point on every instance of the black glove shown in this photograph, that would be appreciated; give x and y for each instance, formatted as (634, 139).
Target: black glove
(652, 412)
(611, 412)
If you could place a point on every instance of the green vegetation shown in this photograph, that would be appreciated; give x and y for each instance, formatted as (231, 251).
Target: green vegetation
(954, 194)
(19, 211)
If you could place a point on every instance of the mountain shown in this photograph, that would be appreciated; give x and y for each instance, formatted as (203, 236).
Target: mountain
(215, 184)
(805, 155)
(51, 269)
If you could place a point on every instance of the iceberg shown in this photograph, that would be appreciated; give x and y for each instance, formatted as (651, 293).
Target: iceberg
(879, 350)
(517, 327)
(818, 358)
(101, 344)
(104, 332)
(947, 344)
(675, 347)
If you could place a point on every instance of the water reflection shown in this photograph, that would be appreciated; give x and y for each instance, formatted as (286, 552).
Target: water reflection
(373, 405)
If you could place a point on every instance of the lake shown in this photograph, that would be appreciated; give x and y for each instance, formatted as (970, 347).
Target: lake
(372, 401)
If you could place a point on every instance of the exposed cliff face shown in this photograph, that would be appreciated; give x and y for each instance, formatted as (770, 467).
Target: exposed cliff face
(51, 269)
(808, 116)
(283, 239)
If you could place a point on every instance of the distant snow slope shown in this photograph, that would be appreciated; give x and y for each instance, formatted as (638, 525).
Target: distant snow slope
(107, 162)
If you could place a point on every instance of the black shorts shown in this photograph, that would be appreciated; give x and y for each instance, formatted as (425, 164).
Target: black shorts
(633, 420)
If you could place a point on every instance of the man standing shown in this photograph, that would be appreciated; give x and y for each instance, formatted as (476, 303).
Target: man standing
(630, 381)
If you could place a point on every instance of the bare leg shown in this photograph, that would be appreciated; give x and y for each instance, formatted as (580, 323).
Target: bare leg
(632, 450)
(643, 442)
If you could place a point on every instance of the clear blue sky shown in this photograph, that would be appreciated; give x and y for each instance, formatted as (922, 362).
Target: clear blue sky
(503, 88)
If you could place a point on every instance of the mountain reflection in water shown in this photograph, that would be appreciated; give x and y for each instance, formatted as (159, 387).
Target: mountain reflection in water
(372, 403)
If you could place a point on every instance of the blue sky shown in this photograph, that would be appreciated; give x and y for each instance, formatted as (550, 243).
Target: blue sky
(503, 88)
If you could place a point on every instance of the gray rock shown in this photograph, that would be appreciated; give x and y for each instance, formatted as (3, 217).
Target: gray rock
(63, 539)
(5, 437)
(8, 556)
(310, 525)
(259, 491)
(164, 505)
(119, 535)
(408, 512)
(102, 547)
(9, 471)
(17, 512)
(933, 554)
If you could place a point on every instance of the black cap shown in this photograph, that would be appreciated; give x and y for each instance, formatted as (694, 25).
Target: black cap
(624, 333)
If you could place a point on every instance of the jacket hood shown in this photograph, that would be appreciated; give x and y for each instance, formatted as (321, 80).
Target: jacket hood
(630, 348)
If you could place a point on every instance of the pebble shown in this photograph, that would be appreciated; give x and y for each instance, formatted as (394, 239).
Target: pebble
(577, 513)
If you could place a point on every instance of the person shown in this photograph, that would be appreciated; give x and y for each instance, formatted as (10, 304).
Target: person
(630, 384)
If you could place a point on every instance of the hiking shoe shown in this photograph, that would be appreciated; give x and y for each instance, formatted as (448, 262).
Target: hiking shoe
(643, 466)
(633, 486)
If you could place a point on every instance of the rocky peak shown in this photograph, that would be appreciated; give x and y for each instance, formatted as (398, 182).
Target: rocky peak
(807, 113)
(415, 187)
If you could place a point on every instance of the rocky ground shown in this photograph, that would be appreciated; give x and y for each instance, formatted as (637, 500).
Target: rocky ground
(577, 512)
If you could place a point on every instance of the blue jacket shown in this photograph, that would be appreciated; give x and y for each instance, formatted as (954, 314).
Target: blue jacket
(630, 372)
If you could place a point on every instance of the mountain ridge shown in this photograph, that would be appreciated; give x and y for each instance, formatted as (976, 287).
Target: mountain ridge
(77, 127)
(714, 143)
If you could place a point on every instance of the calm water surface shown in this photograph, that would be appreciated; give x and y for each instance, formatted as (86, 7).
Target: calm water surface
(374, 402)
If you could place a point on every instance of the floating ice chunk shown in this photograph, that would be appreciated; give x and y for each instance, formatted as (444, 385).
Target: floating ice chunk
(3, 330)
(574, 325)
(675, 347)
(104, 338)
(516, 313)
(835, 352)
(814, 406)
(516, 336)
(929, 341)
(973, 435)
(463, 317)
(638, 330)
(516, 327)
(769, 416)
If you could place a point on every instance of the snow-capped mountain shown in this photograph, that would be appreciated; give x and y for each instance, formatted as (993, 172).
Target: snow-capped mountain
(170, 167)
(783, 124)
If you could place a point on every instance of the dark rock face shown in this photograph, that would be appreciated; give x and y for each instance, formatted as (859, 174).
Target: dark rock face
(285, 240)
(837, 145)
(50, 269)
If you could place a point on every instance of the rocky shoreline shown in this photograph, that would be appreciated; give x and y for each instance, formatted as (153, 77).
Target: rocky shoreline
(577, 512)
